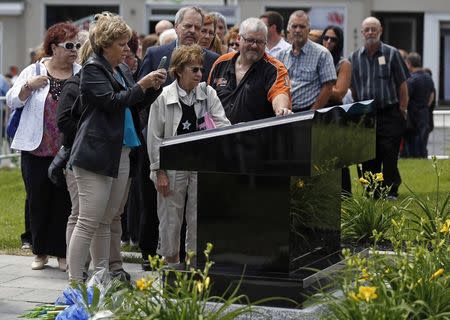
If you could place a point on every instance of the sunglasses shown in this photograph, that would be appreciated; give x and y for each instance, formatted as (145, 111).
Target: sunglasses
(69, 45)
(232, 44)
(197, 69)
(332, 39)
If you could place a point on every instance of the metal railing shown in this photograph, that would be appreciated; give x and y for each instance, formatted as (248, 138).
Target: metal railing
(439, 139)
(438, 142)
(6, 154)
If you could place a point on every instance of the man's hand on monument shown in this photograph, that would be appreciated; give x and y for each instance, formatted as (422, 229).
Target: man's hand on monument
(282, 111)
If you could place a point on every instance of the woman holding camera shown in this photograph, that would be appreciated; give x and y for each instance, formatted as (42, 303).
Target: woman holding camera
(108, 133)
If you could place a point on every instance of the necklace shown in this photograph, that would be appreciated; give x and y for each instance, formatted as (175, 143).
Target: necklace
(56, 86)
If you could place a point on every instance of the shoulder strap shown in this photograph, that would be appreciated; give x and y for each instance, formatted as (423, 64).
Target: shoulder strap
(38, 68)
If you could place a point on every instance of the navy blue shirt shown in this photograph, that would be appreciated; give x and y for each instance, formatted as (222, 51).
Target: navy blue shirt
(420, 87)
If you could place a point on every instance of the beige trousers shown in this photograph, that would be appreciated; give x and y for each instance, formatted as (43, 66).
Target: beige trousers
(170, 215)
(101, 200)
(115, 258)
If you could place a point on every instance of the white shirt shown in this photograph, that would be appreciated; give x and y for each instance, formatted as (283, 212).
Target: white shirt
(281, 45)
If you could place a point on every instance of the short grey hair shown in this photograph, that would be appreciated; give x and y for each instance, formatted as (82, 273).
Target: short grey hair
(300, 13)
(220, 17)
(252, 25)
(179, 16)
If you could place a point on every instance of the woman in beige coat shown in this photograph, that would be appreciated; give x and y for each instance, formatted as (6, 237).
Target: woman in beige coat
(180, 109)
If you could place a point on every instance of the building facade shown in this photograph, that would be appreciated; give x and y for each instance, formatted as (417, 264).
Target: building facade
(413, 25)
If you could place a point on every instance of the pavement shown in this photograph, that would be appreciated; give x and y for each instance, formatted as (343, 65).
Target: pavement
(21, 289)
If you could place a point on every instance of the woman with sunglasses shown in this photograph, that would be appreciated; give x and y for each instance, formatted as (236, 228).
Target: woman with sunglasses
(180, 109)
(37, 91)
(333, 40)
(231, 39)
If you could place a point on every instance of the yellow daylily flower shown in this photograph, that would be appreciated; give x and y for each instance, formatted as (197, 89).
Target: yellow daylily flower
(367, 293)
(207, 281)
(142, 284)
(353, 296)
(437, 274)
(199, 286)
(379, 177)
(364, 275)
(446, 226)
(363, 181)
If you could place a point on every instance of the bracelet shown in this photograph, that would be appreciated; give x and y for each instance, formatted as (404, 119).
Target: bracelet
(27, 86)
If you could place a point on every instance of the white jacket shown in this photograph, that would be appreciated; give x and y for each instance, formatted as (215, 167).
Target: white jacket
(165, 116)
(31, 126)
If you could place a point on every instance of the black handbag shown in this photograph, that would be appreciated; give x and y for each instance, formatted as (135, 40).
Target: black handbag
(58, 166)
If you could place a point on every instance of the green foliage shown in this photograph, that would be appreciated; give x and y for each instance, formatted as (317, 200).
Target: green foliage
(433, 211)
(412, 281)
(180, 295)
(367, 211)
(12, 203)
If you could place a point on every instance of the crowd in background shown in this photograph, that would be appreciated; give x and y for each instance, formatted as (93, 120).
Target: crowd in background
(96, 105)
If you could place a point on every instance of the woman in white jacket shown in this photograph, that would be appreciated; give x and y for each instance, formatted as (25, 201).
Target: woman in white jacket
(180, 109)
(37, 91)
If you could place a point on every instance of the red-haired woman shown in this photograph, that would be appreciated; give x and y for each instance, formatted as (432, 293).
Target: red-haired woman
(37, 91)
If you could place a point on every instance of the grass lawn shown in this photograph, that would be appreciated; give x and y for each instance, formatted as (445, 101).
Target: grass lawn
(417, 174)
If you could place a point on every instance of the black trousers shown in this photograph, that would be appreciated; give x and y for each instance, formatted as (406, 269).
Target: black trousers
(390, 128)
(145, 194)
(26, 236)
(49, 207)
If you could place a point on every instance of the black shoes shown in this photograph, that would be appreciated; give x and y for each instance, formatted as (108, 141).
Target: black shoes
(121, 275)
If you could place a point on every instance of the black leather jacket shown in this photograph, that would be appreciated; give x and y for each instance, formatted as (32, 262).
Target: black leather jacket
(99, 138)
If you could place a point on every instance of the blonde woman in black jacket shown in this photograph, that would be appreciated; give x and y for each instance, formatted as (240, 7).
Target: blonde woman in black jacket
(107, 134)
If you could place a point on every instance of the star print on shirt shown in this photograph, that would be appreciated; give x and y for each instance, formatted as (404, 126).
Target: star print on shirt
(186, 125)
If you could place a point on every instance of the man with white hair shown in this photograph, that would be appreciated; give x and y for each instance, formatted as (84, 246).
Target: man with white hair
(250, 83)
(379, 73)
(167, 36)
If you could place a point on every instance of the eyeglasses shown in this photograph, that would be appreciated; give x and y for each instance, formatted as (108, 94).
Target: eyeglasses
(254, 41)
(69, 45)
(332, 39)
(233, 44)
(197, 69)
(205, 32)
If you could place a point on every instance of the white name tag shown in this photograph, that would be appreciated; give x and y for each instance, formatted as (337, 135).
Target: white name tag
(381, 60)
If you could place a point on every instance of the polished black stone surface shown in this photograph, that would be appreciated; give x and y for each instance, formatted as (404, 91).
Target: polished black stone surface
(303, 144)
(269, 194)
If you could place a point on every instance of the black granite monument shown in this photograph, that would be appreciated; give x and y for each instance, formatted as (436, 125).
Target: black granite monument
(269, 194)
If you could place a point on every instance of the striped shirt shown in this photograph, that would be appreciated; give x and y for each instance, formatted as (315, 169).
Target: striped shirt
(308, 71)
(378, 77)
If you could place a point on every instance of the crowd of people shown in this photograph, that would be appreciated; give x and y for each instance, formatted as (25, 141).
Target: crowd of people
(96, 107)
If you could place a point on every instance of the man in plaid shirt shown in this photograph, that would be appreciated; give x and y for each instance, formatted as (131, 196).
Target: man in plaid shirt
(310, 66)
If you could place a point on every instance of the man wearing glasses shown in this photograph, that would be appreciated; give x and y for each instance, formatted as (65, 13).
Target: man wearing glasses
(310, 66)
(251, 84)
